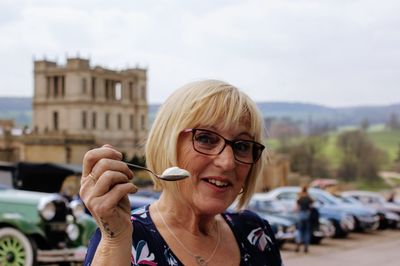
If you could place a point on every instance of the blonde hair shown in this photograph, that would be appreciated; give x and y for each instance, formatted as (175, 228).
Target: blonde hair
(202, 103)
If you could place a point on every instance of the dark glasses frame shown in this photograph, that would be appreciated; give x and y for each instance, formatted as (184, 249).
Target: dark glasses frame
(256, 152)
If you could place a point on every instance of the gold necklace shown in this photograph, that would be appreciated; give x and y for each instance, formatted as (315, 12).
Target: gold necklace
(199, 259)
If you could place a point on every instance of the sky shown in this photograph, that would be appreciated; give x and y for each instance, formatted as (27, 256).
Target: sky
(331, 52)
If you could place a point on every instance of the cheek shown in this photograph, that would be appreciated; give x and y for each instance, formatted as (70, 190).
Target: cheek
(243, 171)
(190, 160)
(184, 156)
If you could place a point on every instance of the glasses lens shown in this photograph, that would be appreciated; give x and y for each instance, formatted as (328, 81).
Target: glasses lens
(207, 142)
(243, 150)
(247, 151)
(257, 150)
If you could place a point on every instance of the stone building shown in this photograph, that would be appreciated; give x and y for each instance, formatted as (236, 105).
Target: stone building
(77, 107)
(275, 173)
(9, 144)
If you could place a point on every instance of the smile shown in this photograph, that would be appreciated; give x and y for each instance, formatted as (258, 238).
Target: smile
(217, 183)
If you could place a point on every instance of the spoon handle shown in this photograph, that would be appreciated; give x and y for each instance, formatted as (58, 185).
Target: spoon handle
(135, 167)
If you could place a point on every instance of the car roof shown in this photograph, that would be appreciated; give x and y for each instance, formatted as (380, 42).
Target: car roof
(273, 193)
(361, 193)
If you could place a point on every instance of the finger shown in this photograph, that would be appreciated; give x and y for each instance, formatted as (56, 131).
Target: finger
(107, 181)
(103, 165)
(91, 157)
(103, 206)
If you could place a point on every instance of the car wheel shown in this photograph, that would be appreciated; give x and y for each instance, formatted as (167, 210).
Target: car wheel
(316, 240)
(16, 248)
(339, 232)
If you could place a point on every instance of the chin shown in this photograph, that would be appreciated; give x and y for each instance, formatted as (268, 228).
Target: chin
(214, 208)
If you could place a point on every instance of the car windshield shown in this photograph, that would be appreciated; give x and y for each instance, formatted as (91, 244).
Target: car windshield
(268, 206)
(350, 200)
(325, 197)
(372, 199)
(5, 179)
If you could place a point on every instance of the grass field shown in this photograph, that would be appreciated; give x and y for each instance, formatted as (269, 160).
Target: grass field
(388, 141)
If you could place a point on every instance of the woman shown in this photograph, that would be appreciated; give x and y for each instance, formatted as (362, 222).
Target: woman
(304, 205)
(212, 130)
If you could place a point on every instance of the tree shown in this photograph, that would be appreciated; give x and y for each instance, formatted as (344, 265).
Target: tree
(393, 122)
(306, 158)
(360, 158)
(398, 154)
(284, 130)
(318, 129)
(364, 125)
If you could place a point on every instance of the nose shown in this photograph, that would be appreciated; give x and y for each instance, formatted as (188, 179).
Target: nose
(226, 159)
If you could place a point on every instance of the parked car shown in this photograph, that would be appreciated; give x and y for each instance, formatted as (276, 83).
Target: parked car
(343, 221)
(138, 201)
(389, 213)
(324, 228)
(372, 199)
(284, 228)
(39, 226)
(365, 218)
(145, 192)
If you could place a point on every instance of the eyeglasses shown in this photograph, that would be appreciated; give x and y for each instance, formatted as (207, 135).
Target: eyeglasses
(211, 143)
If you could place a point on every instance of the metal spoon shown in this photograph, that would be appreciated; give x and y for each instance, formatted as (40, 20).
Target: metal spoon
(170, 174)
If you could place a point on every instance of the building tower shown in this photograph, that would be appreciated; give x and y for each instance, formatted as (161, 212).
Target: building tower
(79, 102)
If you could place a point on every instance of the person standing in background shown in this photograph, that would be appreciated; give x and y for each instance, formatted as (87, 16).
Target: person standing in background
(304, 205)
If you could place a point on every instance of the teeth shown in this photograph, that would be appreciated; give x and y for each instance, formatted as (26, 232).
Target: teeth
(217, 182)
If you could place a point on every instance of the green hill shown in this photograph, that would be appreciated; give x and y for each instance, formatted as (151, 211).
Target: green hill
(20, 109)
(16, 108)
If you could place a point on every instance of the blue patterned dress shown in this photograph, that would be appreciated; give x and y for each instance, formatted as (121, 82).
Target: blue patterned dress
(254, 236)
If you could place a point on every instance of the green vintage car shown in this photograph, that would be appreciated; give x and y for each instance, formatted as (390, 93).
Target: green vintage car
(38, 226)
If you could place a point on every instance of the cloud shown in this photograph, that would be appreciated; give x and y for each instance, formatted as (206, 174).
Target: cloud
(329, 52)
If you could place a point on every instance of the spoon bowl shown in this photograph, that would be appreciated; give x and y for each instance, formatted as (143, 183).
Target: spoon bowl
(170, 174)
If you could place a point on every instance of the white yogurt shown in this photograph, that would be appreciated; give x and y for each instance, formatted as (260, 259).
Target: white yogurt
(175, 171)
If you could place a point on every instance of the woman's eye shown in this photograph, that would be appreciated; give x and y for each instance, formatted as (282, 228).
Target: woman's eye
(204, 138)
(243, 146)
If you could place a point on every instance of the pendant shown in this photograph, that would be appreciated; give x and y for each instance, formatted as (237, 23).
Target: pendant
(201, 261)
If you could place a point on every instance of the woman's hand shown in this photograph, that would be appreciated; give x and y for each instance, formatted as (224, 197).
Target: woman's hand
(105, 185)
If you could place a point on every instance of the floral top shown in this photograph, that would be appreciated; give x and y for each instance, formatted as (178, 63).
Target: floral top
(254, 236)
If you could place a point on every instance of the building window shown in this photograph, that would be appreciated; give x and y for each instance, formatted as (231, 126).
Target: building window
(106, 88)
(68, 154)
(55, 120)
(93, 88)
(131, 121)
(84, 86)
(55, 88)
(143, 91)
(119, 121)
(94, 120)
(84, 119)
(143, 121)
(109, 89)
(107, 121)
(62, 86)
(131, 90)
(48, 80)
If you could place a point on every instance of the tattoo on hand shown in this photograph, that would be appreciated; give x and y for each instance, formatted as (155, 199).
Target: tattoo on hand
(106, 228)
